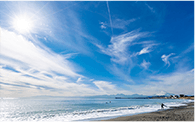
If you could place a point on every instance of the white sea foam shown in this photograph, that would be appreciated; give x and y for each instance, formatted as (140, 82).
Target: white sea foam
(98, 114)
(7, 98)
(92, 115)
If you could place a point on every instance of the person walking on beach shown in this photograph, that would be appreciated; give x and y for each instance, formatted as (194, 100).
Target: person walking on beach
(162, 105)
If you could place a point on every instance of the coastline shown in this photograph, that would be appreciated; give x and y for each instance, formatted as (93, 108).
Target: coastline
(181, 113)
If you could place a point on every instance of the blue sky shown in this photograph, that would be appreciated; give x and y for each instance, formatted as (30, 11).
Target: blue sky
(77, 48)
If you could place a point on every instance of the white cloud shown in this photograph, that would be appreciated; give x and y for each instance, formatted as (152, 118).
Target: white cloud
(17, 48)
(145, 43)
(161, 93)
(109, 16)
(40, 71)
(144, 50)
(109, 88)
(79, 80)
(74, 34)
(145, 64)
(103, 25)
(189, 49)
(123, 74)
(151, 9)
(20, 85)
(104, 86)
(165, 58)
(148, 47)
(121, 24)
(121, 53)
(117, 23)
(118, 47)
(176, 83)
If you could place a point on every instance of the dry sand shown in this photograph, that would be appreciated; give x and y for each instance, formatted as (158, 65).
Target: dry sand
(182, 113)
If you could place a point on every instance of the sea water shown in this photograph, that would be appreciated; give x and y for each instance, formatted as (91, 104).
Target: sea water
(78, 108)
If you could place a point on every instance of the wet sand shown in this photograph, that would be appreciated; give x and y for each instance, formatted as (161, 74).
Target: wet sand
(182, 113)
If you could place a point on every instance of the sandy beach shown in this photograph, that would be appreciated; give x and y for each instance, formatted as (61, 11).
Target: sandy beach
(182, 113)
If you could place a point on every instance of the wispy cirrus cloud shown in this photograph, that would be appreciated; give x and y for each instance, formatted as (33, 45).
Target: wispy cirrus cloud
(122, 73)
(17, 48)
(119, 44)
(117, 23)
(121, 54)
(109, 16)
(26, 66)
(151, 8)
(21, 86)
(165, 58)
(29, 70)
(189, 49)
(177, 83)
(109, 88)
(144, 50)
(145, 64)
(16, 84)
(103, 25)
(121, 24)
(147, 48)
(68, 32)
(79, 80)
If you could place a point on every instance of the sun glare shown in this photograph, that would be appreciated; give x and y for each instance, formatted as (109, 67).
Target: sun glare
(23, 24)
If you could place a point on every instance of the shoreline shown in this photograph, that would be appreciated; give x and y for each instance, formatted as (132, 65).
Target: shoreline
(180, 113)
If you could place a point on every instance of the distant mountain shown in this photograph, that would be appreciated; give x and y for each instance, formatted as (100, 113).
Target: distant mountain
(102, 96)
(163, 93)
(168, 94)
(117, 95)
(130, 96)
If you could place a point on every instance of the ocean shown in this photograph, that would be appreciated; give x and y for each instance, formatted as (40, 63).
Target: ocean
(78, 108)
